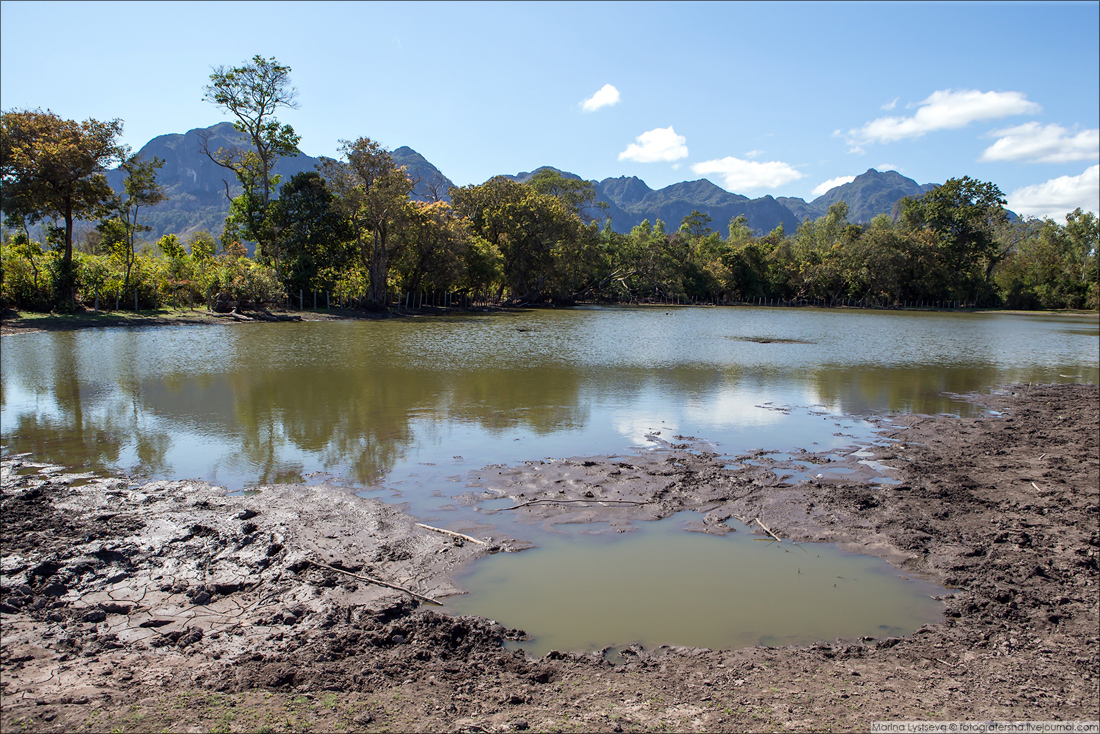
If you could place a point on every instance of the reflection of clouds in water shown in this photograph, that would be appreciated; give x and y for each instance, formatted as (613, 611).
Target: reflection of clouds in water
(738, 408)
(636, 427)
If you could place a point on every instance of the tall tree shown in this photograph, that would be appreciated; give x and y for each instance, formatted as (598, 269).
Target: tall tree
(963, 214)
(53, 168)
(253, 93)
(577, 194)
(139, 189)
(436, 244)
(313, 237)
(534, 232)
(1083, 229)
(372, 192)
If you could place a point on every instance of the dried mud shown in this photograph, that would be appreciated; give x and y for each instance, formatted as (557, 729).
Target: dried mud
(174, 606)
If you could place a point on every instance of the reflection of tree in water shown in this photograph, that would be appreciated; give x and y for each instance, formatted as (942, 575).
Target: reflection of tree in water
(65, 441)
(343, 417)
(920, 389)
(94, 425)
(363, 420)
(540, 399)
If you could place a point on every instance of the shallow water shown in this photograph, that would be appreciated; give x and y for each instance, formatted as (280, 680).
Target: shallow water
(662, 585)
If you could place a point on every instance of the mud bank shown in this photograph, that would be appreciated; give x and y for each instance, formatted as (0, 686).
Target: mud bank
(173, 606)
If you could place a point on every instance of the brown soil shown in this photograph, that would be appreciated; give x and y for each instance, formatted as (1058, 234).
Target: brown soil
(173, 606)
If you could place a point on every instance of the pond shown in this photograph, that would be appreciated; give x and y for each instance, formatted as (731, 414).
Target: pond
(412, 408)
(661, 585)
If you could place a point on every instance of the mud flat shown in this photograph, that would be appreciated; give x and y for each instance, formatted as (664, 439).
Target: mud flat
(174, 606)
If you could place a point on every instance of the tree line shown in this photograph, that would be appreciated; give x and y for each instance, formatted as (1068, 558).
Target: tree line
(352, 232)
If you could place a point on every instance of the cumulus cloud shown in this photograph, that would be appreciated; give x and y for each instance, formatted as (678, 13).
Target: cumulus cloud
(824, 187)
(1043, 144)
(944, 110)
(1059, 196)
(660, 144)
(741, 175)
(605, 97)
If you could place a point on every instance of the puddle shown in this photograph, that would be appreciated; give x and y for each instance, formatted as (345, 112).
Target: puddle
(661, 585)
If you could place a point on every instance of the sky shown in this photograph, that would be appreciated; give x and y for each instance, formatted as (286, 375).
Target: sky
(760, 98)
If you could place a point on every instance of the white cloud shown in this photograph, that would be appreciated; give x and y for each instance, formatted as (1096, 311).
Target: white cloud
(944, 110)
(832, 183)
(605, 97)
(891, 104)
(1043, 144)
(1059, 196)
(754, 154)
(883, 167)
(660, 144)
(740, 175)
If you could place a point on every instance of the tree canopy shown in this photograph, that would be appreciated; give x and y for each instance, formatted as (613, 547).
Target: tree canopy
(253, 93)
(53, 168)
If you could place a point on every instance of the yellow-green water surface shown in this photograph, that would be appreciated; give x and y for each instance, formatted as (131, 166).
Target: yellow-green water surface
(663, 585)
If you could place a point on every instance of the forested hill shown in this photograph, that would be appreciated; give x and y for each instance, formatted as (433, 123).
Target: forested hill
(197, 191)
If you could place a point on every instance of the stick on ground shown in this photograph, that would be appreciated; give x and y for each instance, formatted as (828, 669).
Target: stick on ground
(451, 532)
(378, 581)
(766, 530)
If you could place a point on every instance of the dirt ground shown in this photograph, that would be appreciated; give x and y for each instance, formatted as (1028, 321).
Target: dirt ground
(172, 606)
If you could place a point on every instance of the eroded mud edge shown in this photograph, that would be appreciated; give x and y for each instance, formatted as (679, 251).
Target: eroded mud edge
(114, 594)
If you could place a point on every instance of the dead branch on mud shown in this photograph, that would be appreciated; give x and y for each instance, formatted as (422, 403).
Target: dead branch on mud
(377, 581)
(452, 533)
(562, 502)
(766, 530)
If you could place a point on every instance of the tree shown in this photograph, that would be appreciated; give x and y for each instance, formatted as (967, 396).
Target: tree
(313, 237)
(963, 215)
(53, 168)
(1083, 229)
(695, 225)
(252, 93)
(139, 189)
(578, 195)
(436, 244)
(371, 191)
(535, 233)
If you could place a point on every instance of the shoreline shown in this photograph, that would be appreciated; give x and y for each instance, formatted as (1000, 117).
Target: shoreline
(248, 631)
(38, 322)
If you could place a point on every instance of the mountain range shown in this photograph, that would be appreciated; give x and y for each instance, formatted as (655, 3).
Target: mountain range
(197, 190)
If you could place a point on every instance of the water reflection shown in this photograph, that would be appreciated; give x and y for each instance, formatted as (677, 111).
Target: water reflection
(369, 400)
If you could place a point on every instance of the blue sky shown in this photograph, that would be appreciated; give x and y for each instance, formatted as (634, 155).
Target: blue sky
(760, 98)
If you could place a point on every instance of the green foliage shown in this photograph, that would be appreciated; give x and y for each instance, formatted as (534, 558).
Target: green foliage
(52, 169)
(314, 241)
(253, 93)
(372, 193)
(579, 196)
(542, 241)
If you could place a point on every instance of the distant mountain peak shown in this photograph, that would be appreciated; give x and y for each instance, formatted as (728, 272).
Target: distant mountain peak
(197, 192)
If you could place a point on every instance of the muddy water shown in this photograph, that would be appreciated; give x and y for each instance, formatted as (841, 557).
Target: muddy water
(662, 585)
(378, 402)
